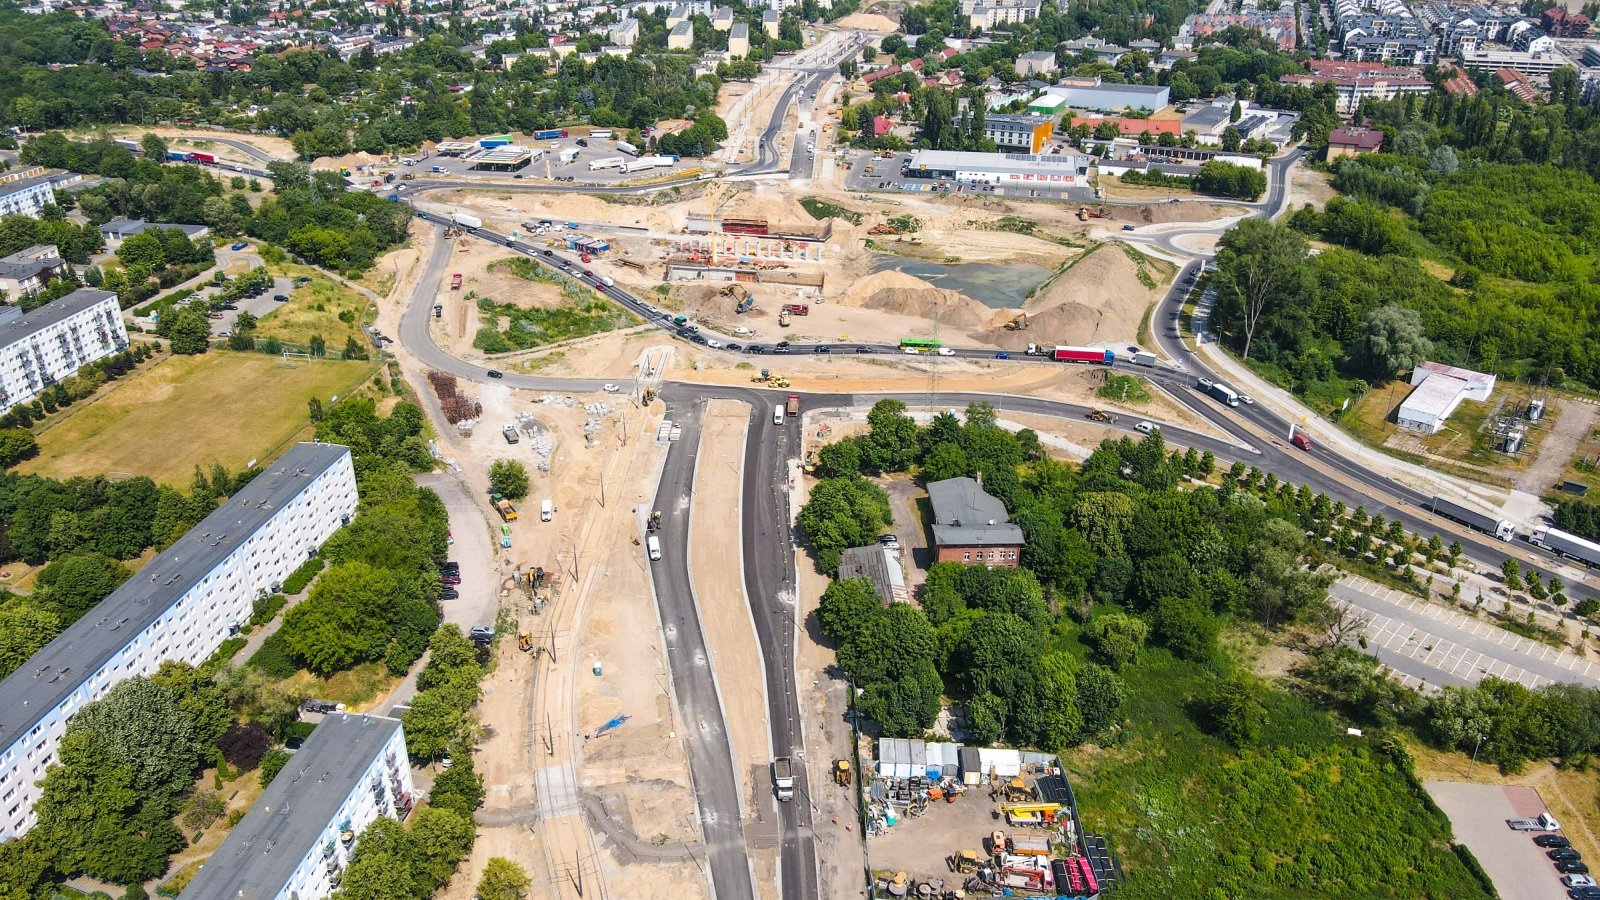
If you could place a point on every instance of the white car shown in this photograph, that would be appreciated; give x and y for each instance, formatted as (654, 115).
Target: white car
(1573, 881)
(946, 351)
(1247, 400)
(611, 388)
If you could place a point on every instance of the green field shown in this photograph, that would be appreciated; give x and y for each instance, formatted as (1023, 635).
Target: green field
(185, 411)
(322, 306)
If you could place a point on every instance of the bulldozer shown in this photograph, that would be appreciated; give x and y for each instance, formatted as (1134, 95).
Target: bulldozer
(1099, 415)
(762, 376)
(843, 775)
(965, 862)
(1085, 213)
(525, 641)
(1015, 791)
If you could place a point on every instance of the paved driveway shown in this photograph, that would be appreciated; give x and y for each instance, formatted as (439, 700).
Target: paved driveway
(1478, 814)
(1428, 644)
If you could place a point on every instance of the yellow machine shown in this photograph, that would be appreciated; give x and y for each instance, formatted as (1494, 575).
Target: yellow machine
(843, 775)
(965, 862)
(1016, 791)
(525, 640)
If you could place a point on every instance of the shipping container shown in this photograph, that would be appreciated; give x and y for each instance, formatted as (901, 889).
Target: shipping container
(1455, 512)
(1584, 551)
(1083, 355)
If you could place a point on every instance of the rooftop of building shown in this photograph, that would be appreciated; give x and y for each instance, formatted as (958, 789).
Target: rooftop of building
(23, 184)
(52, 313)
(1356, 136)
(1434, 395)
(964, 514)
(128, 227)
(60, 667)
(263, 851)
(995, 162)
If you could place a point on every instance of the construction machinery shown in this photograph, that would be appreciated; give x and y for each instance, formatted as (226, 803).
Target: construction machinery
(1099, 415)
(1015, 791)
(744, 299)
(654, 524)
(1020, 323)
(648, 396)
(798, 309)
(766, 377)
(843, 775)
(783, 319)
(883, 229)
(809, 464)
(525, 641)
(1032, 815)
(965, 862)
(1085, 213)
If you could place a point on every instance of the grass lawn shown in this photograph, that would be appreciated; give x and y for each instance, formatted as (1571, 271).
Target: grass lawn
(192, 410)
(323, 306)
(1304, 812)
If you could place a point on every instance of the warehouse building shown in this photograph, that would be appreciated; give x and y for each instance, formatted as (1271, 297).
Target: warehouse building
(181, 606)
(298, 837)
(971, 526)
(40, 348)
(1092, 94)
(1439, 390)
(1016, 169)
(1021, 134)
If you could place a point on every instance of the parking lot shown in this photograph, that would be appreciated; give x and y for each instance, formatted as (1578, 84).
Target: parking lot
(885, 176)
(546, 166)
(1478, 814)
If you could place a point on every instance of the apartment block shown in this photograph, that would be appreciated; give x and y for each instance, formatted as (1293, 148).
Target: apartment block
(40, 348)
(681, 37)
(26, 196)
(181, 606)
(298, 837)
(1025, 134)
(28, 270)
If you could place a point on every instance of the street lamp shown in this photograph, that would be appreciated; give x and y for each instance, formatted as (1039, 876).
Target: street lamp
(1474, 754)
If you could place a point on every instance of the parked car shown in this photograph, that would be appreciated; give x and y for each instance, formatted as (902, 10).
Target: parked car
(449, 593)
(1561, 854)
(1573, 867)
(1584, 893)
(1551, 840)
(1577, 881)
(280, 297)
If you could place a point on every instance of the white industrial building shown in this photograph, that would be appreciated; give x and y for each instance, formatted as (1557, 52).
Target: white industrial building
(1439, 390)
(181, 607)
(1014, 169)
(298, 837)
(40, 348)
(26, 196)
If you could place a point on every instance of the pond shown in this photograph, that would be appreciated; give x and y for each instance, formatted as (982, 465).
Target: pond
(996, 285)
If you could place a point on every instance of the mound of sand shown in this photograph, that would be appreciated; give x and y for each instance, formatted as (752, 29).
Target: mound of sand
(897, 292)
(1098, 300)
(868, 22)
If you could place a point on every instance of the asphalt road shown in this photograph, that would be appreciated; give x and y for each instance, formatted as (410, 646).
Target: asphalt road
(716, 788)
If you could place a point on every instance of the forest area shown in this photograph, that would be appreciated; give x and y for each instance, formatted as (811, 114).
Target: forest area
(1125, 641)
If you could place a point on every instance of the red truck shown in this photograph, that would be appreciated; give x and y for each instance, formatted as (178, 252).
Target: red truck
(797, 309)
(1083, 355)
(206, 158)
(455, 282)
(793, 409)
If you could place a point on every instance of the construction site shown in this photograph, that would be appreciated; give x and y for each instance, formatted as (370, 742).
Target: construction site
(947, 821)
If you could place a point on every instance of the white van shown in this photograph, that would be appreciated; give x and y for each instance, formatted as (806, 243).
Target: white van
(1147, 427)
(777, 415)
(653, 544)
(547, 510)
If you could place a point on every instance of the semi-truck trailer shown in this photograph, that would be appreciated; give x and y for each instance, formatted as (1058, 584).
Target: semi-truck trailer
(1143, 358)
(625, 147)
(600, 133)
(1064, 353)
(644, 163)
(550, 134)
(610, 162)
(1223, 394)
(206, 158)
(1455, 512)
(1566, 544)
(465, 220)
(783, 777)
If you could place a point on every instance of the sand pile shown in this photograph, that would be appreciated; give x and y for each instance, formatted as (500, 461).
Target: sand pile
(868, 22)
(897, 292)
(1098, 300)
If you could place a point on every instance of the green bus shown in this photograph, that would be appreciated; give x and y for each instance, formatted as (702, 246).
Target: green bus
(920, 344)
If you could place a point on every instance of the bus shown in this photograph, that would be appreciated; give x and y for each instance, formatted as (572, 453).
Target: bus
(920, 344)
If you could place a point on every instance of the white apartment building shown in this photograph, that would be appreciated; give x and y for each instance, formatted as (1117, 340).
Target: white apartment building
(299, 835)
(181, 606)
(625, 33)
(989, 14)
(26, 196)
(42, 347)
(681, 37)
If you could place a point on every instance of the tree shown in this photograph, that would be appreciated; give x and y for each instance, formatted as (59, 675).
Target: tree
(16, 445)
(891, 437)
(190, 333)
(843, 512)
(847, 608)
(1233, 709)
(1260, 264)
(153, 147)
(72, 585)
(1392, 341)
(1101, 696)
(24, 630)
(458, 788)
(1117, 637)
(509, 478)
(1508, 571)
(503, 880)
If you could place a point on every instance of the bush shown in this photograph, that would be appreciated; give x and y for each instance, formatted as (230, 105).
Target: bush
(299, 578)
(272, 762)
(243, 745)
(274, 657)
(266, 608)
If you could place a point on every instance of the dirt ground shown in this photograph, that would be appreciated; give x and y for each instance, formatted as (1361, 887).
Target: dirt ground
(714, 546)
(868, 22)
(1308, 186)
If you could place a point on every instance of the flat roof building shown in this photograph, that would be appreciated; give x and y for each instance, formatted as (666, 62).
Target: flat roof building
(27, 196)
(739, 40)
(1016, 169)
(181, 606)
(118, 230)
(1024, 134)
(971, 526)
(1439, 390)
(1108, 97)
(298, 837)
(40, 348)
(879, 565)
(681, 37)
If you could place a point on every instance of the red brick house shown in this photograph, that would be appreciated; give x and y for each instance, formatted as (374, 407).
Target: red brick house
(971, 526)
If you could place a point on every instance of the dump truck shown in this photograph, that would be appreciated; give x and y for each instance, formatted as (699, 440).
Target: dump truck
(783, 319)
(799, 309)
(455, 282)
(506, 510)
(466, 220)
(1086, 213)
(792, 407)
(783, 777)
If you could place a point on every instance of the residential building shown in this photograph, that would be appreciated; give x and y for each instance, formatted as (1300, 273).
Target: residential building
(1353, 140)
(26, 196)
(678, 16)
(722, 19)
(1439, 390)
(1456, 81)
(27, 271)
(1277, 24)
(625, 33)
(299, 835)
(1517, 85)
(879, 565)
(739, 40)
(971, 526)
(181, 606)
(769, 23)
(118, 230)
(681, 37)
(987, 15)
(1559, 23)
(1024, 134)
(1036, 62)
(1533, 65)
(39, 348)
(1092, 94)
(1358, 81)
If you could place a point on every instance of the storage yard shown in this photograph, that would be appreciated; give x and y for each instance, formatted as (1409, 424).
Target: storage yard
(946, 820)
